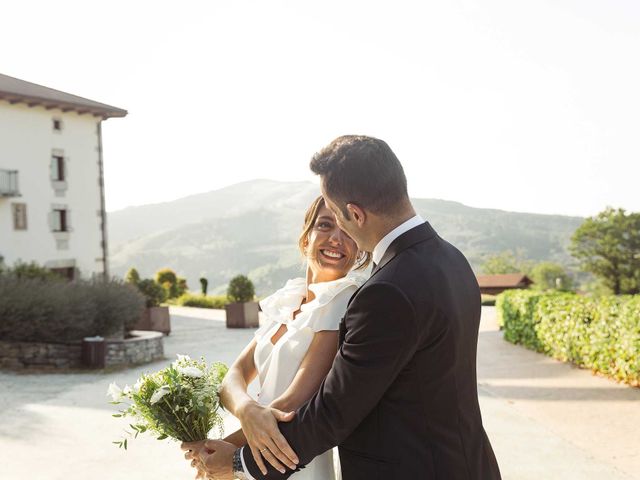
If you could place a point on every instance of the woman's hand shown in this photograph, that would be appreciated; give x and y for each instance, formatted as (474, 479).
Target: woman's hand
(260, 426)
(192, 450)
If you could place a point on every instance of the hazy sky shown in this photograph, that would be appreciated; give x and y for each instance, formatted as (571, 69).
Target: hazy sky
(518, 105)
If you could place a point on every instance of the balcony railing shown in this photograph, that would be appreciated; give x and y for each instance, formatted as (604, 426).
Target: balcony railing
(9, 183)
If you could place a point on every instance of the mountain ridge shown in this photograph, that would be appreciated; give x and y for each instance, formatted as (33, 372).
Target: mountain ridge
(252, 228)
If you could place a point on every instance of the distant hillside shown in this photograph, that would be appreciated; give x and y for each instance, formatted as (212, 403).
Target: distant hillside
(252, 228)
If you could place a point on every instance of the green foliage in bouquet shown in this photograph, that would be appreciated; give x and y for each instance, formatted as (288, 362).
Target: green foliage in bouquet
(180, 402)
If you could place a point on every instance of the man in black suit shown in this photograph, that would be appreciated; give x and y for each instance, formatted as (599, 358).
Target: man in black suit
(401, 399)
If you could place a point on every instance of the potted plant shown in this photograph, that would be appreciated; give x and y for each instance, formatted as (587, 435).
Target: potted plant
(154, 317)
(242, 311)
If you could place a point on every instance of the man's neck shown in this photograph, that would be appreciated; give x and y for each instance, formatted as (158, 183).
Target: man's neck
(392, 224)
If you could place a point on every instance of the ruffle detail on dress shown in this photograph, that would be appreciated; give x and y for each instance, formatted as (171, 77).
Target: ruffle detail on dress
(280, 305)
(325, 311)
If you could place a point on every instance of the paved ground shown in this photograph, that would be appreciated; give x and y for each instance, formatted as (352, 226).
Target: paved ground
(545, 419)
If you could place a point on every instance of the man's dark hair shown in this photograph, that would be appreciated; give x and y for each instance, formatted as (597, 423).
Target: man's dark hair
(363, 171)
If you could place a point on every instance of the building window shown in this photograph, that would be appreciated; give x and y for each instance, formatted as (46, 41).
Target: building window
(68, 273)
(57, 168)
(19, 211)
(60, 221)
(57, 125)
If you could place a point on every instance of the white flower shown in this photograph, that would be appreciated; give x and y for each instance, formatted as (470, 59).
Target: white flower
(126, 390)
(137, 386)
(115, 392)
(190, 371)
(159, 393)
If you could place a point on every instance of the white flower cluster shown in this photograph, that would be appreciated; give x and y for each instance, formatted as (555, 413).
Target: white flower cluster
(180, 401)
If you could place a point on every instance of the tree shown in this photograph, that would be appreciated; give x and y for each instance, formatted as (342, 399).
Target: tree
(505, 262)
(550, 276)
(608, 246)
(169, 281)
(132, 276)
(166, 275)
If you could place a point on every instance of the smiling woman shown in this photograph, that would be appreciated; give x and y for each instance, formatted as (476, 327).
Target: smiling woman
(325, 245)
(295, 347)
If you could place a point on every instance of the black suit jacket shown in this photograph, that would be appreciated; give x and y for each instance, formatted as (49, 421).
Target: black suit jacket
(401, 398)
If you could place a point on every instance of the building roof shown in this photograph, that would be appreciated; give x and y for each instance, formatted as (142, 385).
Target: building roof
(14, 90)
(505, 280)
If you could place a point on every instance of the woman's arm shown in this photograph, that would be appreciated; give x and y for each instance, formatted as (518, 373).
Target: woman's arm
(233, 392)
(313, 369)
(256, 420)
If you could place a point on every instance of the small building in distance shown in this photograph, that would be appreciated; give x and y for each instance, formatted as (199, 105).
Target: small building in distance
(52, 207)
(495, 284)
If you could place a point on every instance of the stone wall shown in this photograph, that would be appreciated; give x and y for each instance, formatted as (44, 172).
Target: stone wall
(21, 355)
(142, 347)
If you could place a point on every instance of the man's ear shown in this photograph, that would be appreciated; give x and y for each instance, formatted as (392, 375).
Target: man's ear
(358, 214)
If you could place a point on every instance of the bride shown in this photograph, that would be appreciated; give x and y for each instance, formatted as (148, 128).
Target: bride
(294, 349)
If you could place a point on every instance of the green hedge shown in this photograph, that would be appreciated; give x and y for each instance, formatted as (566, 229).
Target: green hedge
(488, 300)
(58, 311)
(202, 301)
(602, 334)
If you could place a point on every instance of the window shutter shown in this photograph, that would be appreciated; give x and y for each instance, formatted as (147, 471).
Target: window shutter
(65, 169)
(53, 167)
(69, 228)
(52, 220)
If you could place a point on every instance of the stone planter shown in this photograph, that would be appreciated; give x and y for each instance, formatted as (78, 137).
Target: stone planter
(155, 319)
(242, 315)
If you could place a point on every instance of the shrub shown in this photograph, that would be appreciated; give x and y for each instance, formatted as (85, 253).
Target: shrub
(240, 290)
(602, 334)
(117, 302)
(202, 301)
(181, 286)
(153, 293)
(204, 284)
(39, 310)
(32, 270)
(169, 281)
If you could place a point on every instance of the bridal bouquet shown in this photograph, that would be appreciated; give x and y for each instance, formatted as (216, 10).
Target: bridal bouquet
(179, 402)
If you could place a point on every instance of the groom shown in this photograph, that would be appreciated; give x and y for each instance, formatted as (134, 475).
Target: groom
(401, 399)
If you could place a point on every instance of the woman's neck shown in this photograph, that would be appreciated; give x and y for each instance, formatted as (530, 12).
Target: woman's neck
(315, 277)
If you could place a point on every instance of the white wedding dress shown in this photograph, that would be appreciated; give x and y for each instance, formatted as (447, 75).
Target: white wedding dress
(278, 363)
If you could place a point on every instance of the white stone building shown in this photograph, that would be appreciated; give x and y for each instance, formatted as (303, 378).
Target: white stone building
(51, 179)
